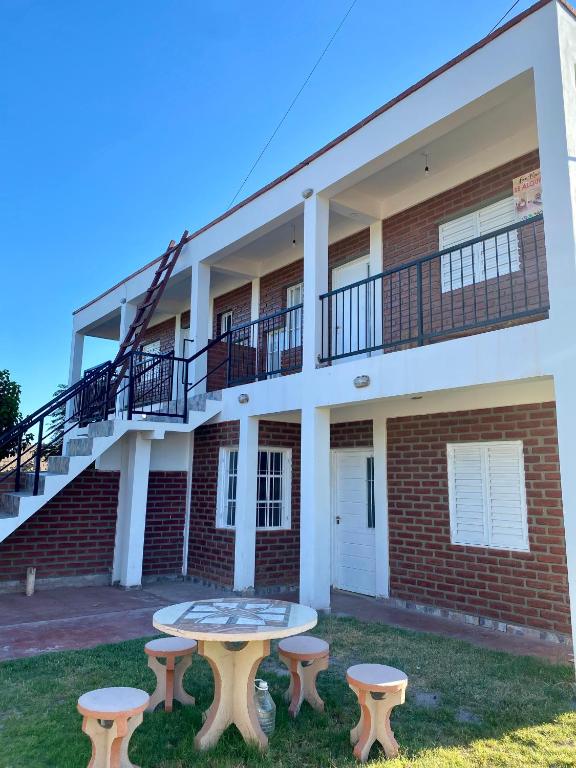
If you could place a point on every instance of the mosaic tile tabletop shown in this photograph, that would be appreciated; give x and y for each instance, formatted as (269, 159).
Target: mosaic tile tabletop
(236, 618)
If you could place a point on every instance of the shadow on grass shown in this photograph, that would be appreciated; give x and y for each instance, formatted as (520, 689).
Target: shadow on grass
(465, 706)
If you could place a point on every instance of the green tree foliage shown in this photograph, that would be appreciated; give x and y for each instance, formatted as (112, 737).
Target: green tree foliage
(9, 406)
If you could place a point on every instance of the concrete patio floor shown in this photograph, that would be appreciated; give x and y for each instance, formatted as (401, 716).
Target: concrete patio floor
(82, 617)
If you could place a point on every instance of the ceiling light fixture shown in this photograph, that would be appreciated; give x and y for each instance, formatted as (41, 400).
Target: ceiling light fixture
(426, 155)
(293, 235)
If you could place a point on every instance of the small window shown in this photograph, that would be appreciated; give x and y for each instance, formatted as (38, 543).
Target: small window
(152, 348)
(226, 321)
(273, 488)
(493, 257)
(487, 495)
(370, 492)
(295, 296)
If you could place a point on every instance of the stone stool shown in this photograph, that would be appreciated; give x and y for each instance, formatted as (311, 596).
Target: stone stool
(111, 715)
(305, 656)
(169, 675)
(379, 689)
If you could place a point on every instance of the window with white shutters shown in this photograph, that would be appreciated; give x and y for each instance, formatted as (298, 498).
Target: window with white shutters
(273, 488)
(493, 257)
(488, 495)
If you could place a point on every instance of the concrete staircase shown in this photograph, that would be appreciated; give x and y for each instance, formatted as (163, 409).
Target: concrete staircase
(87, 446)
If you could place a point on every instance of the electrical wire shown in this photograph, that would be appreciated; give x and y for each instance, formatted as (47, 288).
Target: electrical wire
(503, 17)
(293, 102)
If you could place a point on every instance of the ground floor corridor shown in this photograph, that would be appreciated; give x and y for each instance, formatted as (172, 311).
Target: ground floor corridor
(83, 617)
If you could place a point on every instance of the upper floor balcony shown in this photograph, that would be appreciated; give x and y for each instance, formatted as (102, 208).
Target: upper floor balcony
(435, 239)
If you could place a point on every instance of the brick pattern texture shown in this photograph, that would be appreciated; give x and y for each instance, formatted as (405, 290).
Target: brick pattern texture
(525, 588)
(72, 535)
(164, 333)
(238, 301)
(351, 434)
(211, 549)
(414, 232)
(165, 519)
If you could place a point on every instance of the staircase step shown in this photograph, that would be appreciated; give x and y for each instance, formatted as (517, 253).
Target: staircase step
(101, 429)
(79, 446)
(58, 465)
(10, 503)
(28, 482)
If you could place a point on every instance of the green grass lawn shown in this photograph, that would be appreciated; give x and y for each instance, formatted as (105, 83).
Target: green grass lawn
(465, 707)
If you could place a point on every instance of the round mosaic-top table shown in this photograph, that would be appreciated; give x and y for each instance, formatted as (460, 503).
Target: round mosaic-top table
(233, 635)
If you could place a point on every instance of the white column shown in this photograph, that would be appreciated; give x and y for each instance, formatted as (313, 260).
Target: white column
(316, 220)
(131, 518)
(556, 117)
(199, 316)
(255, 301)
(177, 376)
(375, 294)
(255, 314)
(76, 355)
(245, 541)
(127, 315)
(315, 512)
(74, 372)
(381, 506)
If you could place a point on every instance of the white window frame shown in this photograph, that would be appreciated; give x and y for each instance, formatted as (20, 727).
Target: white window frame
(226, 319)
(460, 268)
(484, 446)
(222, 494)
(294, 297)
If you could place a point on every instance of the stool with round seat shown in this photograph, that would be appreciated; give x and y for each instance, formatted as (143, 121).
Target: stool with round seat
(305, 656)
(379, 689)
(111, 715)
(169, 675)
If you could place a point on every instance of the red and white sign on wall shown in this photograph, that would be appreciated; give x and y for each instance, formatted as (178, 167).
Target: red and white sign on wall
(528, 194)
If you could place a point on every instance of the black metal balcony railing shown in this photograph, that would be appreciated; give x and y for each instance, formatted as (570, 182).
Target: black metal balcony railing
(486, 282)
(261, 349)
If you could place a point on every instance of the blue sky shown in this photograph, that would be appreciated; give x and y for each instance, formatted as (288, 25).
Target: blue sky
(123, 123)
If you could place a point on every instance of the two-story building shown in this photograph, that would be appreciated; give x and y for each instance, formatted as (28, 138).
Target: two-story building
(362, 377)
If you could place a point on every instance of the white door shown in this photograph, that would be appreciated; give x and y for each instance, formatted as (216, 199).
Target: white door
(350, 309)
(354, 541)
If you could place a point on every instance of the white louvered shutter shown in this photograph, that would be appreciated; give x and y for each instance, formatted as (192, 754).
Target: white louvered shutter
(457, 266)
(493, 217)
(467, 494)
(507, 496)
(483, 261)
(488, 495)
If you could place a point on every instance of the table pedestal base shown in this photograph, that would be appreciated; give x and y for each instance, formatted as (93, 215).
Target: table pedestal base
(234, 666)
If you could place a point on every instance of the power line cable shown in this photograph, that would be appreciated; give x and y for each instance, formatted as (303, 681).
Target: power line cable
(294, 100)
(503, 17)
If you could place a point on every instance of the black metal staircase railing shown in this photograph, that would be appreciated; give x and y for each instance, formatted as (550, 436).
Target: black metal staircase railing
(143, 384)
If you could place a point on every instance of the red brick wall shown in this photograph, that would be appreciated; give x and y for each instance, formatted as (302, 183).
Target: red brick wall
(211, 549)
(414, 232)
(239, 301)
(348, 249)
(164, 333)
(72, 535)
(274, 287)
(278, 552)
(526, 588)
(351, 434)
(165, 518)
